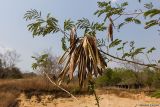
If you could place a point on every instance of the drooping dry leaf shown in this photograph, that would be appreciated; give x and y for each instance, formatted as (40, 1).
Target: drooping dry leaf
(87, 57)
(72, 36)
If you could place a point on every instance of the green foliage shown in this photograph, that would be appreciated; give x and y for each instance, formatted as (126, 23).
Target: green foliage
(151, 50)
(40, 61)
(148, 5)
(63, 41)
(156, 94)
(151, 23)
(68, 24)
(112, 77)
(125, 55)
(109, 78)
(32, 14)
(137, 51)
(121, 24)
(90, 27)
(132, 19)
(107, 9)
(115, 43)
(41, 26)
(152, 12)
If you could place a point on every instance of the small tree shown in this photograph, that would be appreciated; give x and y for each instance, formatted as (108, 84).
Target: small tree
(88, 52)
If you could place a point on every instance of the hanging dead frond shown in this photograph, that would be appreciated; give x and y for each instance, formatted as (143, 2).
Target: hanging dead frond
(86, 57)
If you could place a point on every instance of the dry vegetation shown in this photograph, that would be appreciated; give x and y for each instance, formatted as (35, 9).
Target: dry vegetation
(38, 89)
(10, 89)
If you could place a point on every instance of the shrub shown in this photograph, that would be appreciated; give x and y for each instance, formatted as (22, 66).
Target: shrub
(156, 94)
(10, 73)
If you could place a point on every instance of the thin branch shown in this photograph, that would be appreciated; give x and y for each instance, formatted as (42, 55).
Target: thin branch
(147, 65)
(135, 13)
(60, 87)
(128, 14)
(65, 33)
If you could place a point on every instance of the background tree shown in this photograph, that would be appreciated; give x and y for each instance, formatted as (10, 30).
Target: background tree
(9, 59)
(8, 62)
(52, 67)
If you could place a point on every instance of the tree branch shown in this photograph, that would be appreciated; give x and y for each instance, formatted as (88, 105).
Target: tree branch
(60, 87)
(147, 65)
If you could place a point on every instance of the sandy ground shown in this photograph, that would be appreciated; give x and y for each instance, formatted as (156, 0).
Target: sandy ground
(106, 100)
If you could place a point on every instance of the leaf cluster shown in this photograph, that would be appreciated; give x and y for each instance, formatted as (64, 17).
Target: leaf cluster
(90, 27)
(41, 26)
(40, 61)
(106, 8)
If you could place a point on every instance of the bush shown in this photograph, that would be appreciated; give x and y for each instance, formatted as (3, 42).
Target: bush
(10, 73)
(109, 78)
(156, 94)
(119, 76)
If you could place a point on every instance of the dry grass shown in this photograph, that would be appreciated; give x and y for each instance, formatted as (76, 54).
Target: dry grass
(10, 89)
(8, 99)
(38, 86)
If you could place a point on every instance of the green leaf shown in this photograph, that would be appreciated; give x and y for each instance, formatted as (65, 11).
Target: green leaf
(40, 26)
(148, 5)
(83, 23)
(115, 43)
(137, 21)
(32, 14)
(137, 51)
(108, 10)
(129, 19)
(152, 12)
(120, 25)
(151, 50)
(63, 41)
(124, 4)
(34, 66)
(120, 48)
(126, 55)
(68, 24)
(151, 23)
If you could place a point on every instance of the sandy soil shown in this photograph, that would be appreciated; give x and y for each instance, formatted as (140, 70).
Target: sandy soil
(106, 100)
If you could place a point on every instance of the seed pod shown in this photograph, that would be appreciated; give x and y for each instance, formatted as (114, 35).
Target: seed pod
(110, 31)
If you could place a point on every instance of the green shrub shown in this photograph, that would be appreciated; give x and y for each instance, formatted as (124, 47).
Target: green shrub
(156, 94)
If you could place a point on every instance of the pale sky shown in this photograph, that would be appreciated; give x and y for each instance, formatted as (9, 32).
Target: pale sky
(14, 34)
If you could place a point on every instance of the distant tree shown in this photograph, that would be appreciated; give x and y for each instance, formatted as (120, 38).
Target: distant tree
(9, 59)
(51, 67)
(8, 62)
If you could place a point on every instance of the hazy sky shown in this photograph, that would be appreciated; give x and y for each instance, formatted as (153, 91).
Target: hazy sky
(14, 33)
